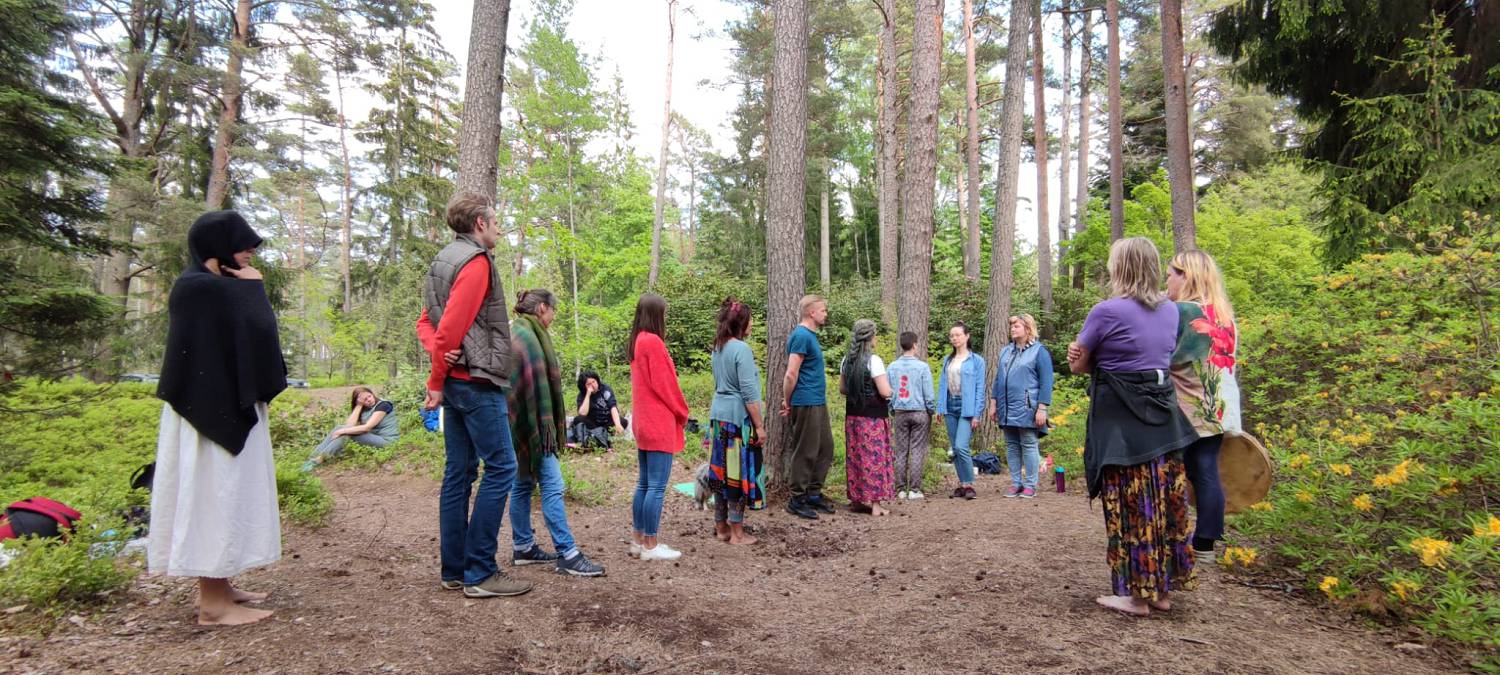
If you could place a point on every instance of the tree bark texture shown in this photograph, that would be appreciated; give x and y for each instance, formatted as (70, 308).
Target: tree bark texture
(229, 112)
(1065, 149)
(484, 87)
(786, 182)
(1007, 175)
(888, 188)
(1179, 144)
(1039, 138)
(972, 250)
(1085, 112)
(920, 179)
(661, 161)
(824, 274)
(1116, 127)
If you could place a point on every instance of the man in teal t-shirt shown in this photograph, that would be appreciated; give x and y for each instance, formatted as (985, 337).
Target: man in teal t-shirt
(806, 404)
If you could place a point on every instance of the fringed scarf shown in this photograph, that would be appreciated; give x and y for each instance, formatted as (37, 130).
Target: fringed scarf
(537, 417)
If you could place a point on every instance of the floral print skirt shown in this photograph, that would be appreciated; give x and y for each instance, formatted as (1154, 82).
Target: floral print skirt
(869, 463)
(1146, 518)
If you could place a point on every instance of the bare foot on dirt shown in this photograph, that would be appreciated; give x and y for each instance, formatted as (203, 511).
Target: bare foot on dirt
(1161, 605)
(1124, 604)
(233, 615)
(239, 596)
(877, 510)
(721, 532)
(743, 540)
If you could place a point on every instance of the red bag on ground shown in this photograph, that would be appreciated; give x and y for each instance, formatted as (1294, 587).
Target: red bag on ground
(37, 516)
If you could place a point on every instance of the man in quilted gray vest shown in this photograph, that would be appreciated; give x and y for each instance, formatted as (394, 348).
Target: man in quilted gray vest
(465, 331)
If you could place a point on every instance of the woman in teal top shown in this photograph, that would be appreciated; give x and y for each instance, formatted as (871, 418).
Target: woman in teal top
(371, 422)
(735, 425)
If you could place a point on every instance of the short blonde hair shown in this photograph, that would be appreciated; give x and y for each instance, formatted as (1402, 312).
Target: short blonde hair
(466, 207)
(807, 302)
(1029, 322)
(1203, 283)
(1135, 271)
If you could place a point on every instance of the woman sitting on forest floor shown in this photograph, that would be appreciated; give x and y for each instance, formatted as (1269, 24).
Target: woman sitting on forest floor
(371, 422)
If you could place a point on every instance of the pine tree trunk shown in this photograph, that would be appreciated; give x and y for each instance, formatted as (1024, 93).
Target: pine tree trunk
(1007, 176)
(346, 207)
(1065, 149)
(661, 162)
(920, 179)
(824, 274)
(484, 86)
(573, 260)
(1039, 138)
(1085, 112)
(786, 183)
(971, 157)
(1116, 127)
(229, 114)
(1179, 144)
(888, 189)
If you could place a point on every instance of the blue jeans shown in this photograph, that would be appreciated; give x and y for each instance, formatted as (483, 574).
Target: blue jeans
(333, 445)
(550, 478)
(1021, 450)
(476, 429)
(960, 430)
(1202, 460)
(650, 488)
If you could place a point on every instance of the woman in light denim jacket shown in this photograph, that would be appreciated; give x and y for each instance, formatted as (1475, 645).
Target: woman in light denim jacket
(913, 404)
(1018, 402)
(960, 400)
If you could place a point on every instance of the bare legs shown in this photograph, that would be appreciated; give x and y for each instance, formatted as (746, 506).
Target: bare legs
(218, 604)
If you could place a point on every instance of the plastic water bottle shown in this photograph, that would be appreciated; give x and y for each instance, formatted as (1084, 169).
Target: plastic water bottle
(1060, 476)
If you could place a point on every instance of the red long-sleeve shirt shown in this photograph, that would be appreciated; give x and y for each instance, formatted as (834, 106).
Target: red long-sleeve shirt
(470, 288)
(660, 410)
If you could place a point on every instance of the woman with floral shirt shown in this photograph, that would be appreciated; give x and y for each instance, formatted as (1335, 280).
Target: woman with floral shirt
(1203, 372)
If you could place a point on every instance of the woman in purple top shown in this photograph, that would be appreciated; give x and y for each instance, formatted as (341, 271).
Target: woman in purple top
(1132, 453)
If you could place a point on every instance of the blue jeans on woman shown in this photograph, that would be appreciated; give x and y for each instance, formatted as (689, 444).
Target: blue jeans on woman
(1202, 460)
(650, 487)
(960, 430)
(1021, 451)
(549, 477)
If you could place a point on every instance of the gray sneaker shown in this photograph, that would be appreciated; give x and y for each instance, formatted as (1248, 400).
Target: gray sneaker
(531, 556)
(498, 585)
(579, 566)
(452, 584)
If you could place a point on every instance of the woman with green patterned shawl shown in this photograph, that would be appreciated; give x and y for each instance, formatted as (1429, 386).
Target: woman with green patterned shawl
(537, 421)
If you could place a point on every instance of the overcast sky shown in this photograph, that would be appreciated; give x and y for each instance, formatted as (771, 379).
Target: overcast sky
(631, 35)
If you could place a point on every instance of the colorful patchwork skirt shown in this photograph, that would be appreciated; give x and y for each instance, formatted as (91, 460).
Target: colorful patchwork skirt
(869, 463)
(736, 463)
(1146, 518)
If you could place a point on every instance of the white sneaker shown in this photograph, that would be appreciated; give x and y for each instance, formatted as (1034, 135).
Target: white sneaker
(661, 552)
(901, 494)
(635, 550)
(914, 495)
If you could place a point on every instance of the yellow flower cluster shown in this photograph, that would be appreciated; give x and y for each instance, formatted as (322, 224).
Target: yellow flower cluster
(1432, 551)
(1364, 503)
(1304, 496)
(1354, 440)
(1404, 589)
(1450, 487)
(1299, 461)
(1244, 556)
(1398, 474)
(1341, 469)
(1261, 506)
(1490, 529)
(1329, 585)
(1078, 450)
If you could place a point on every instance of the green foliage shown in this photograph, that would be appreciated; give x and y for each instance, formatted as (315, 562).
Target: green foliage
(1376, 397)
(56, 575)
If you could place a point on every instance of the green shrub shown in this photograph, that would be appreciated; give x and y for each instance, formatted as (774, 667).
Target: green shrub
(54, 575)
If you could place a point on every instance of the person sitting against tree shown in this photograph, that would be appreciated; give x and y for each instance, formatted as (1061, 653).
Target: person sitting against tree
(372, 422)
(598, 412)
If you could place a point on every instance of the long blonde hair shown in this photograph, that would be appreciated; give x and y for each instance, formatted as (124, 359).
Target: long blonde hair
(1204, 283)
(1135, 271)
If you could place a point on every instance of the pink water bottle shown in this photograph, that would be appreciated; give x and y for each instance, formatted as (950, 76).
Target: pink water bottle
(1059, 475)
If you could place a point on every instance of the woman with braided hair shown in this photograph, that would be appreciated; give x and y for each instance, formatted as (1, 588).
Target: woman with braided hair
(868, 461)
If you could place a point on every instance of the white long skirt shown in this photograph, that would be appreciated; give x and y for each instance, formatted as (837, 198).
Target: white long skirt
(213, 514)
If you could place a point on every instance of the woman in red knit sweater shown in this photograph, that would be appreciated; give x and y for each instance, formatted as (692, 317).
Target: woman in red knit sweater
(661, 412)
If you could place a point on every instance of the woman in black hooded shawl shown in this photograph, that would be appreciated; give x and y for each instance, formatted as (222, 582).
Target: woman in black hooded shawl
(213, 503)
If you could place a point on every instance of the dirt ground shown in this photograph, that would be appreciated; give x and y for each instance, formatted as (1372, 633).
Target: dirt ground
(941, 586)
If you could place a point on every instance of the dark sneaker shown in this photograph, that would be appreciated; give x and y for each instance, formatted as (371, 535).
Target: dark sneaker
(1028, 493)
(452, 584)
(958, 493)
(969, 493)
(579, 566)
(818, 503)
(532, 556)
(800, 509)
(498, 585)
(1015, 491)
